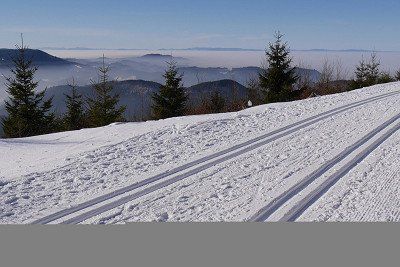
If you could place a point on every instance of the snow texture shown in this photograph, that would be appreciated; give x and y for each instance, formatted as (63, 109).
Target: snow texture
(46, 174)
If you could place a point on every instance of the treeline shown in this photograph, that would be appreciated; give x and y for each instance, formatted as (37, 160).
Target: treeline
(278, 82)
(216, 102)
(29, 113)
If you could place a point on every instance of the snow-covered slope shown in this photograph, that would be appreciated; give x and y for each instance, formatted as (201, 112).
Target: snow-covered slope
(223, 167)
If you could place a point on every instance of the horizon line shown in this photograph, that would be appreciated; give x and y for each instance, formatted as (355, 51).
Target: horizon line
(211, 49)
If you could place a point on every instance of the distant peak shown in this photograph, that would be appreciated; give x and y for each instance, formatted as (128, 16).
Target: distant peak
(39, 57)
(156, 55)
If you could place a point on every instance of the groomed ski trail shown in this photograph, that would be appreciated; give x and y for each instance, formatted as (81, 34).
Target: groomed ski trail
(296, 211)
(209, 161)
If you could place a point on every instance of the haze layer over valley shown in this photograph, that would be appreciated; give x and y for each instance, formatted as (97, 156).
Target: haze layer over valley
(198, 66)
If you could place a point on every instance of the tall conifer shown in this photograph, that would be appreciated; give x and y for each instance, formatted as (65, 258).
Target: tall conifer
(75, 117)
(278, 78)
(28, 114)
(171, 100)
(103, 106)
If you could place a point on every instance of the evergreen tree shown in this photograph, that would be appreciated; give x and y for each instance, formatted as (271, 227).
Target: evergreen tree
(278, 79)
(103, 109)
(361, 75)
(217, 102)
(373, 71)
(28, 113)
(385, 77)
(75, 118)
(368, 73)
(171, 100)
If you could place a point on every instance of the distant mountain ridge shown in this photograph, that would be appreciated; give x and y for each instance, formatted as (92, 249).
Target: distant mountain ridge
(136, 95)
(220, 49)
(228, 89)
(227, 49)
(38, 57)
(151, 67)
(156, 56)
(194, 75)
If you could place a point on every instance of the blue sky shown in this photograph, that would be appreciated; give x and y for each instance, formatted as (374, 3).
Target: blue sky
(153, 24)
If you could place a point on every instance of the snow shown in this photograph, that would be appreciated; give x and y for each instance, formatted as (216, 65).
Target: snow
(44, 153)
(370, 192)
(45, 174)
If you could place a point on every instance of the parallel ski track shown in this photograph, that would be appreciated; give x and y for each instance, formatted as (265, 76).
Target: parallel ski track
(235, 150)
(317, 193)
(263, 214)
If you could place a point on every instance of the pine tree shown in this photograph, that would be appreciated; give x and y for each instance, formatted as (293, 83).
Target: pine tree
(103, 109)
(28, 113)
(361, 75)
(217, 102)
(385, 77)
(171, 100)
(278, 79)
(75, 117)
(373, 70)
(368, 73)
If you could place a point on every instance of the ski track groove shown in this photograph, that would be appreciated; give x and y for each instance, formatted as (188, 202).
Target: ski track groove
(245, 147)
(264, 213)
(317, 193)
